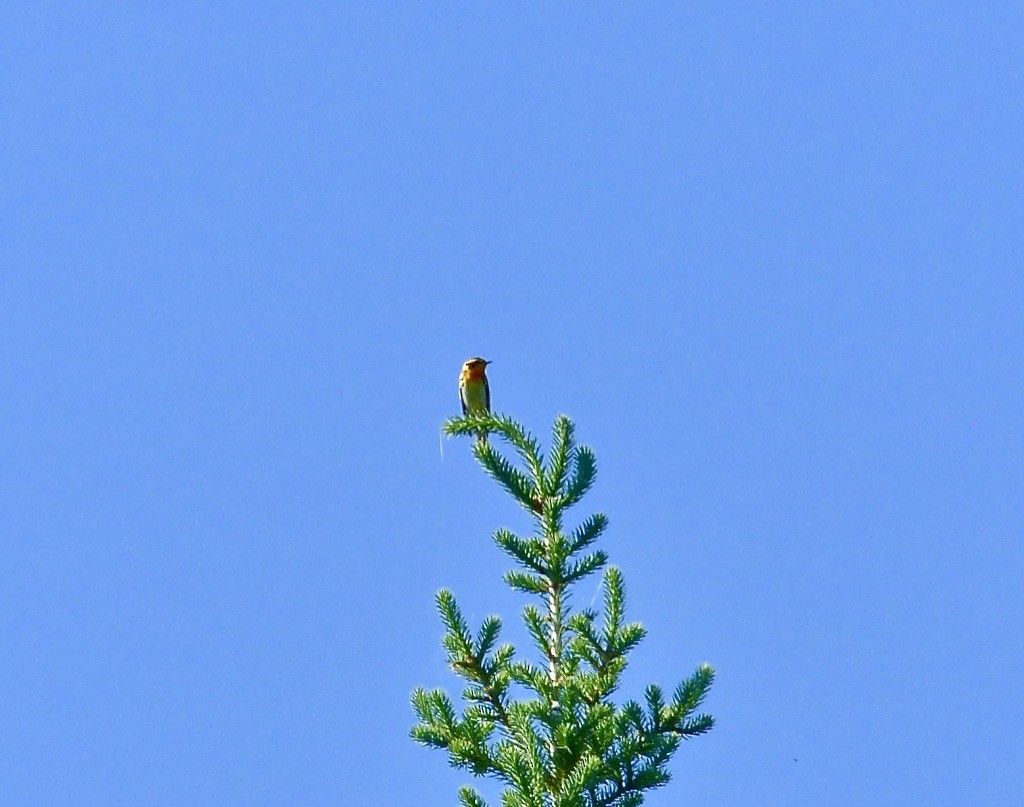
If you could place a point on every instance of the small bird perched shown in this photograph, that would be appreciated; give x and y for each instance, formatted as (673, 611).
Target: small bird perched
(474, 391)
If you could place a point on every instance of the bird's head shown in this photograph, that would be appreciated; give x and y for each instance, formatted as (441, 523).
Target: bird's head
(475, 366)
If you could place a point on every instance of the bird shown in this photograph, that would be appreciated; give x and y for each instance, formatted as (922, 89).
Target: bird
(474, 391)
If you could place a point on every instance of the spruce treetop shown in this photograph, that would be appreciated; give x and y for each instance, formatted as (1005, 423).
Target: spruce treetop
(548, 729)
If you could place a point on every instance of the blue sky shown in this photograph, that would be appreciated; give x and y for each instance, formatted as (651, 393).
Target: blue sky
(767, 256)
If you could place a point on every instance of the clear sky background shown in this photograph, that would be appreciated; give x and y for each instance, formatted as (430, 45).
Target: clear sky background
(767, 256)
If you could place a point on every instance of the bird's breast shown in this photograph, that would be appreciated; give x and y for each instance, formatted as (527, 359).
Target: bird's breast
(474, 394)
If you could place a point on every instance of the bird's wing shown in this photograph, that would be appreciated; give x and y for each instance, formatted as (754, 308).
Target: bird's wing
(487, 394)
(462, 397)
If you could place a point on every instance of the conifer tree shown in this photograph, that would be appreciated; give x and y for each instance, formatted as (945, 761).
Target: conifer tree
(550, 731)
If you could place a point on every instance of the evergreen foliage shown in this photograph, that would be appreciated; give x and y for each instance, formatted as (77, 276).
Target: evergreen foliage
(551, 731)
